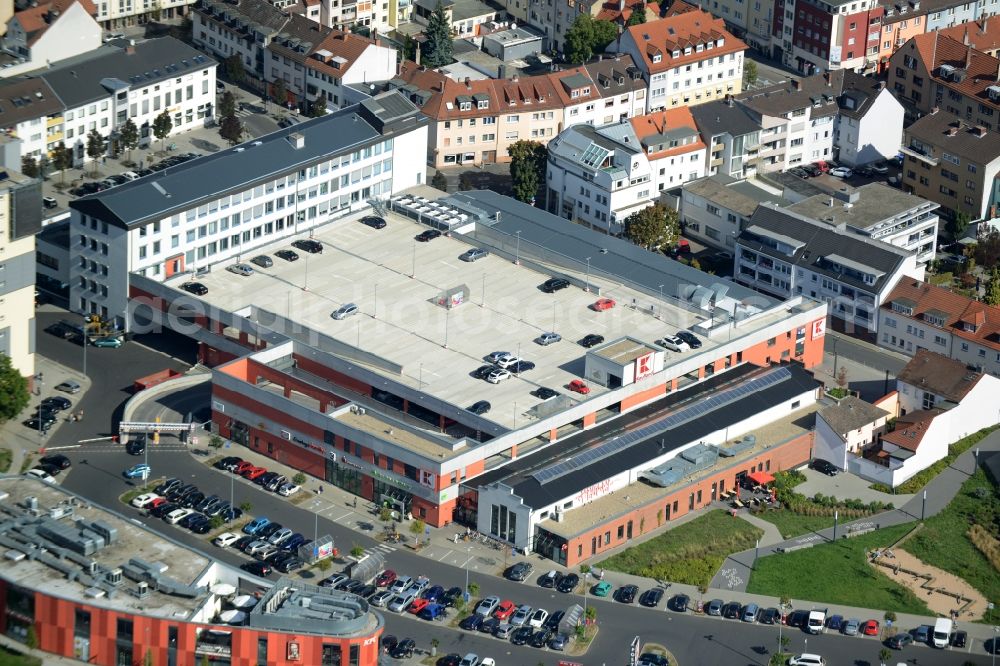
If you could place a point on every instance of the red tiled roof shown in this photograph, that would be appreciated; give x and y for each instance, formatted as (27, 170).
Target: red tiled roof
(346, 45)
(687, 29)
(910, 429)
(935, 49)
(35, 20)
(610, 11)
(680, 7)
(957, 310)
(659, 122)
(983, 35)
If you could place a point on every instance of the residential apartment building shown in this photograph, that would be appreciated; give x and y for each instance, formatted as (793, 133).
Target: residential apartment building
(686, 59)
(714, 210)
(221, 206)
(953, 163)
(920, 316)
(900, 22)
(732, 137)
(475, 121)
(20, 220)
(466, 18)
(880, 213)
(30, 113)
(932, 70)
(376, 15)
(832, 34)
(48, 32)
(602, 175)
(114, 14)
(785, 253)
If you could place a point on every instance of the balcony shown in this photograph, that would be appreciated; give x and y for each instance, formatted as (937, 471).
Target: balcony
(919, 154)
(717, 162)
(52, 121)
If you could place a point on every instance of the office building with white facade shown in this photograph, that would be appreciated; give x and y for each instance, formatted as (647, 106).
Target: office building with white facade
(193, 216)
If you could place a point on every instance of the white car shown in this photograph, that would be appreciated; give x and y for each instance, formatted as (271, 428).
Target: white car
(807, 660)
(131, 175)
(673, 343)
(41, 474)
(508, 361)
(471, 659)
(240, 269)
(498, 376)
(226, 539)
(841, 172)
(488, 661)
(144, 500)
(256, 547)
(538, 618)
(287, 489)
(345, 311)
(549, 338)
(177, 515)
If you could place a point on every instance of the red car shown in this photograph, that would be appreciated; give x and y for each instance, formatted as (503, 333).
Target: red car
(504, 610)
(870, 628)
(603, 304)
(156, 502)
(418, 605)
(254, 472)
(579, 386)
(242, 467)
(822, 166)
(386, 578)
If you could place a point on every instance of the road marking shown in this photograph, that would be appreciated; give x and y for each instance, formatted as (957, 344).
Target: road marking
(446, 554)
(337, 520)
(471, 557)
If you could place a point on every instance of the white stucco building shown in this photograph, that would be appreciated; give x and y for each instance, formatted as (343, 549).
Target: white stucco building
(48, 32)
(216, 208)
(847, 428)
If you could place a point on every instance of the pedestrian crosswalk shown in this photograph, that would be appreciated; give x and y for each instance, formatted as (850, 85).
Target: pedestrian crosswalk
(382, 547)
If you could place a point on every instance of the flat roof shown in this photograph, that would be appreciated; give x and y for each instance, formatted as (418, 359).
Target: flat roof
(22, 532)
(638, 494)
(392, 432)
(624, 351)
(873, 203)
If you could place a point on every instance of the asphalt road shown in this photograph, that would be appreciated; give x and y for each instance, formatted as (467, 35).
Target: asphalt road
(96, 474)
(862, 353)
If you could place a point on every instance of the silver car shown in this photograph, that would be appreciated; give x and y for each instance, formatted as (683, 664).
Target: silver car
(240, 269)
(521, 615)
(380, 599)
(475, 254)
(402, 602)
(549, 338)
(345, 311)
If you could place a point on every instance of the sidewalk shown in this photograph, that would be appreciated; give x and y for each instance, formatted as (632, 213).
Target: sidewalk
(24, 443)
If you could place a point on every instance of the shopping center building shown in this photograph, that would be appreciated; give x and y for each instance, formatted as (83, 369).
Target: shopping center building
(88, 584)
(378, 403)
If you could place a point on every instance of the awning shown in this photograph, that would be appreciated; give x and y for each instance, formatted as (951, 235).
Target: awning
(761, 478)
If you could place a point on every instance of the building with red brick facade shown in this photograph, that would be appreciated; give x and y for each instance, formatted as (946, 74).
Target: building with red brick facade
(107, 591)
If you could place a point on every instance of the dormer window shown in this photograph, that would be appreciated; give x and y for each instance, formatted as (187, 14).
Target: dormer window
(687, 50)
(969, 326)
(657, 58)
(675, 53)
(903, 307)
(483, 104)
(719, 42)
(934, 318)
(585, 91)
(699, 48)
(465, 106)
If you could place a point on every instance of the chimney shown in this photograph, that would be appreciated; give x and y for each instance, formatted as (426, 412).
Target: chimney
(979, 131)
(965, 37)
(416, 56)
(968, 58)
(468, 83)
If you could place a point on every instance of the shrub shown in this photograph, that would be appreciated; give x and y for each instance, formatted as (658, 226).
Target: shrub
(299, 479)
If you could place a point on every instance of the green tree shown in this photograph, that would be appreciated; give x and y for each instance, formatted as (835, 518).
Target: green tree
(527, 168)
(884, 655)
(409, 51)
(357, 551)
(957, 225)
(43, 167)
(653, 227)
(231, 129)
(217, 521)
(437, 47)
(216, 442)
(591, 613)
(13, 390)
(280, 92)
(31, 637)
(246, 507)
(638, 16)
(385, 514)
(473, 589)
(324, 564)
(465, 183)
(587, 37)
(749, 72)
(233, 67)
(992, 296)
(29, 166)
(227, 105)
(162, 126)
(299, 478)
(417, 529)
(439, 181)
(128, 137)
(62, 159)
(319, 107)
(95, 147)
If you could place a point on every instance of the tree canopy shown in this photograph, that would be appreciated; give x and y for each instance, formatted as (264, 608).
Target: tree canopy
(62, 159)
(437, 47)
(527, 168)
(233, 67)
(653, 227)
(227, 105)
(13, 390)
(128, 137)
(638, 15)
(231, 129)
(29, 166)
(162, 124)
(992, 296)
(95, 146)
(587, 37)
(319, 107)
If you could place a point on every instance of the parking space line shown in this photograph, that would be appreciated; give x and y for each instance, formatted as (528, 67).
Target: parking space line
(337, 520)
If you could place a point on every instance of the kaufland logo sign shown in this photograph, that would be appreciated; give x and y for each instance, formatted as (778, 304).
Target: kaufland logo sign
(644, 366)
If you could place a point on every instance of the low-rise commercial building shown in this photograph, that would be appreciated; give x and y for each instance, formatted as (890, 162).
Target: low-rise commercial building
(89, 585)
(466, 18)
(714, 210)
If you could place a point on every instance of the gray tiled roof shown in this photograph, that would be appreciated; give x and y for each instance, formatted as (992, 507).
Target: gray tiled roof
(26, 99)
(718, 117)
(82, 81)
(819, 241)
(933, 129)
(189, 184)
(828, 93)
(851, 414)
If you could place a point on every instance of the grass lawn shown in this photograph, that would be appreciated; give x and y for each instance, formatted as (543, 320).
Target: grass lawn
(792, 524)
(9, 658)
(836, 573)
(690, 553)
(943, 541)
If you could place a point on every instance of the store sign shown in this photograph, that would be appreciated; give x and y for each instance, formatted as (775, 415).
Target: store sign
(292, 653)
(350, 463)
(427, 478)
(389, 479)
(818, 328)
(644, 366)
(595, 491)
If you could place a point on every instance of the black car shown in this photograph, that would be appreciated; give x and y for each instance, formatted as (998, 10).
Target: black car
(488, 626)
(42, 425)
(483, 371)
(550, 580)
(480, 407)
(690, 338)
(167, 486)
(191, 519)
(196, 288)
(591, 340)
(958, 639)
(228, 463)
(374, 222)
(429, 235)
(46, 414)
(522, 635)
(452, 659)
(389, 642)
(309, 245)
(680, 602)
(541, 638)
(51, 470)
(813, 171)
(266, 478)
(263, 261)
(797, 618)
(257, 568)
(163, 509)
(268, 530)
(651, 598)
(518, 572)
(56, 403)
(568, 583)
(56, 460)
(472, 622)
(136, 446)
(544, 393)
(731, 611)
(552, 622)
(824, 467)
(287, 255)
(770, 616)
(201, 526)
(626, 593)
(899, 641)
(554, 284)
(449, 598)
(192, 500)
(403, 649)
(521, 366)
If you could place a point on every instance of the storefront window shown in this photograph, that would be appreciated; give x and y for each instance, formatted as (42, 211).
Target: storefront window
(331, 655)
(344, 477)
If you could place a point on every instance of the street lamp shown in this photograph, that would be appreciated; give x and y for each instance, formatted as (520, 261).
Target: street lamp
(587, 289)
(465, 595)
(586, 584)
(781, 618)
(993, 651)
(517, 250)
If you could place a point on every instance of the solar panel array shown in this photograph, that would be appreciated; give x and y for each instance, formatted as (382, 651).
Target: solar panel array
(681, 416)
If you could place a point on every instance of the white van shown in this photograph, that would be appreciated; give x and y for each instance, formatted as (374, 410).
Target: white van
(816, 621)
(942, 632)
